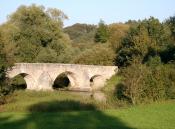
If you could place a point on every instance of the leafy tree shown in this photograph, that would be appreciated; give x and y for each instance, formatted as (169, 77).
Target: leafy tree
(81, 33)
(100, 54)
(171, 24)
(102, 33)
(143, 51)
(117, 31)
(5, 63)
(143, 42)
(33, 30)
(46, 56)
(168, 54)
(133, 23)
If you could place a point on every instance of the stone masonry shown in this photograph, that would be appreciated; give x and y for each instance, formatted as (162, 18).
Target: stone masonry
(41, 76)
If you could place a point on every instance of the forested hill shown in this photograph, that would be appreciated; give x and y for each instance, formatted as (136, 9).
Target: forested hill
(81, 33)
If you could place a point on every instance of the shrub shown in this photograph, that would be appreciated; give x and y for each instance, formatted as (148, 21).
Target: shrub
(144, 83)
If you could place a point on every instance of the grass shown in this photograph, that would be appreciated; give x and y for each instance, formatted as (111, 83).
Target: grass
(62, 110)
(60, 100)
(73, 110)
(156, 116)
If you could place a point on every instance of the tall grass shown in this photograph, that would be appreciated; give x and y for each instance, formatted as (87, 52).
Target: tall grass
(22, 100)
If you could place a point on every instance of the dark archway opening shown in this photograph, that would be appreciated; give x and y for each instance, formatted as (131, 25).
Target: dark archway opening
(61, 82)
(92, 79)
(18, 82)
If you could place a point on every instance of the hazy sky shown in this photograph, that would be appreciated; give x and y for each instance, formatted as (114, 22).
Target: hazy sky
(91, 11)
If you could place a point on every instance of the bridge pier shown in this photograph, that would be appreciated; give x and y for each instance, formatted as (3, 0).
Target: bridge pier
(82, 82)
(30, 82)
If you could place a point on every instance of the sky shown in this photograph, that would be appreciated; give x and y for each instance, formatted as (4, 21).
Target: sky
(91, 11)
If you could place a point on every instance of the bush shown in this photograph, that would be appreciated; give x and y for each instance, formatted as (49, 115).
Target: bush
(133, 86)
(147, 83)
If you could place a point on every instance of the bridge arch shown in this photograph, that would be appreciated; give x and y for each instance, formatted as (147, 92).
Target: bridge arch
(27, 77)
(64, 79)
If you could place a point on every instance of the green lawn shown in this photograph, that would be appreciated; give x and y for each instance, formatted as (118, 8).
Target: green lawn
(25, 111)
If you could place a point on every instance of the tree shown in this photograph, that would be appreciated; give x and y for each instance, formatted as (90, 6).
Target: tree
(142, 42)
(35, 29)
(117, 31)
(100, 54)
(141, 54)
(102, 33)
(46, 56)
(81, 33)
(5, 63)
(171, 24)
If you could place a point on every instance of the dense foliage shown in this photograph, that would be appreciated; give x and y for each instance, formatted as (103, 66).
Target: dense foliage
(146, 40)
(5, 63)
(102, 33)
(81, 33)
(146, 57)
(144, 84)
(37, 33)
(171, 23)
(117, 31)
(98, 55)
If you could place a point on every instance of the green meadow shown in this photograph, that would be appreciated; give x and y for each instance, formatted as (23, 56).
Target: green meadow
(64, 110)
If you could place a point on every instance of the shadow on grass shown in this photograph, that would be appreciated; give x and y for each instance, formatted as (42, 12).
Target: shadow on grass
(119, 92)
(61, 106)
(61, 115)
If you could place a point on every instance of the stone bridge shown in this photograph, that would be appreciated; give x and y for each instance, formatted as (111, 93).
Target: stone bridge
(41, 76)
